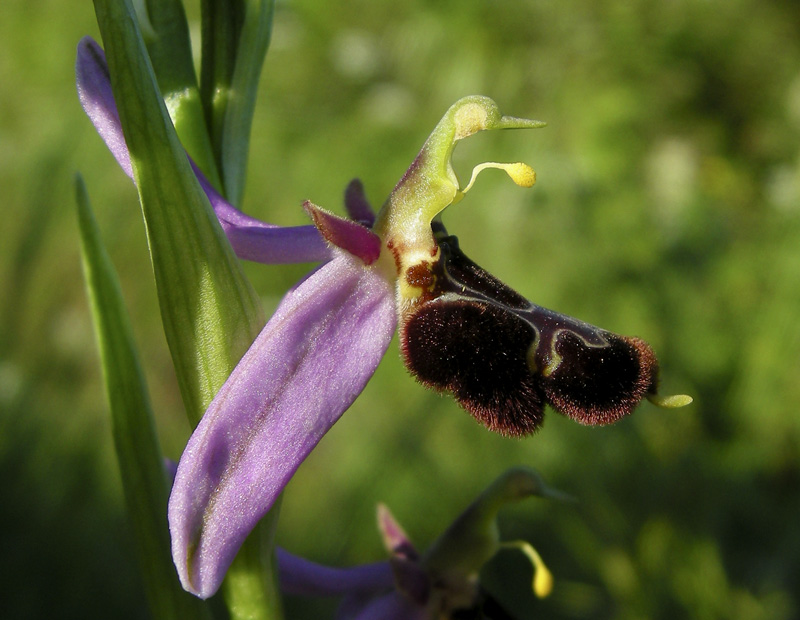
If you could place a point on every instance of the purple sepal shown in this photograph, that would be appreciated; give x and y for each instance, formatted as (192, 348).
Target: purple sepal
(306, 578)
(346, 234)
(97, 100)
(277, 245)
(357, 205)
(250, 238)
(306, 367)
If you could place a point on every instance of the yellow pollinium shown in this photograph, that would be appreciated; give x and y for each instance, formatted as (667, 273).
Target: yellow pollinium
(522, 174)
(542, 583)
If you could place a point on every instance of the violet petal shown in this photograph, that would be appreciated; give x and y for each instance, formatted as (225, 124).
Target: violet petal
(278, 245)
(306, 367)
(357, 205)
(306, 578)
(250, 238)
(94, 92)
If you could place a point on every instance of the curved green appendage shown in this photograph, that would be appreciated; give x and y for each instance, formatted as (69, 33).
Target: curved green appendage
(473, 538)
(141, 466)
(430, 184)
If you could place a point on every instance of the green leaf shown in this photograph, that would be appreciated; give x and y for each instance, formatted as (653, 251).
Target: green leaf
(236, 35)
(166, 34)
(209, 310)
(141, 466)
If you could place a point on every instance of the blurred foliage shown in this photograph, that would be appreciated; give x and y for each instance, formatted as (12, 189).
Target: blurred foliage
(668, 206)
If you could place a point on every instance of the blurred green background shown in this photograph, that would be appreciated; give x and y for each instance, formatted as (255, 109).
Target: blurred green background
(667, 206)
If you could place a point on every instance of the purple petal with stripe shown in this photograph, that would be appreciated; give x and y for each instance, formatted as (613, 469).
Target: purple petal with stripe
(306, 367)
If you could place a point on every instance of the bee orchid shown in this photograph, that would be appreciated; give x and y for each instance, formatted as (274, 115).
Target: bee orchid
(462, 331)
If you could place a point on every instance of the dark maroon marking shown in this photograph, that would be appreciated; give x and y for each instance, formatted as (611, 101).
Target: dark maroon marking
(420, 275)
(476, 345)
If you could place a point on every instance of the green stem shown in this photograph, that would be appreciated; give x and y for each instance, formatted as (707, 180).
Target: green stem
(251, 585)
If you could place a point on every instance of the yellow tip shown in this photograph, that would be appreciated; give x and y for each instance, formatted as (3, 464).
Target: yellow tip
(670, 402)
(542, 581)
(522, 174)
(542, 577)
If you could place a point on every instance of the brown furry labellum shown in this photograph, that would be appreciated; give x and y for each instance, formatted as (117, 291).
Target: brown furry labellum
(504, 358)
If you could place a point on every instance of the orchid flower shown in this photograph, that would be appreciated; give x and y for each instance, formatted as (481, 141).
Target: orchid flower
(437, 583)
(461, 331)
